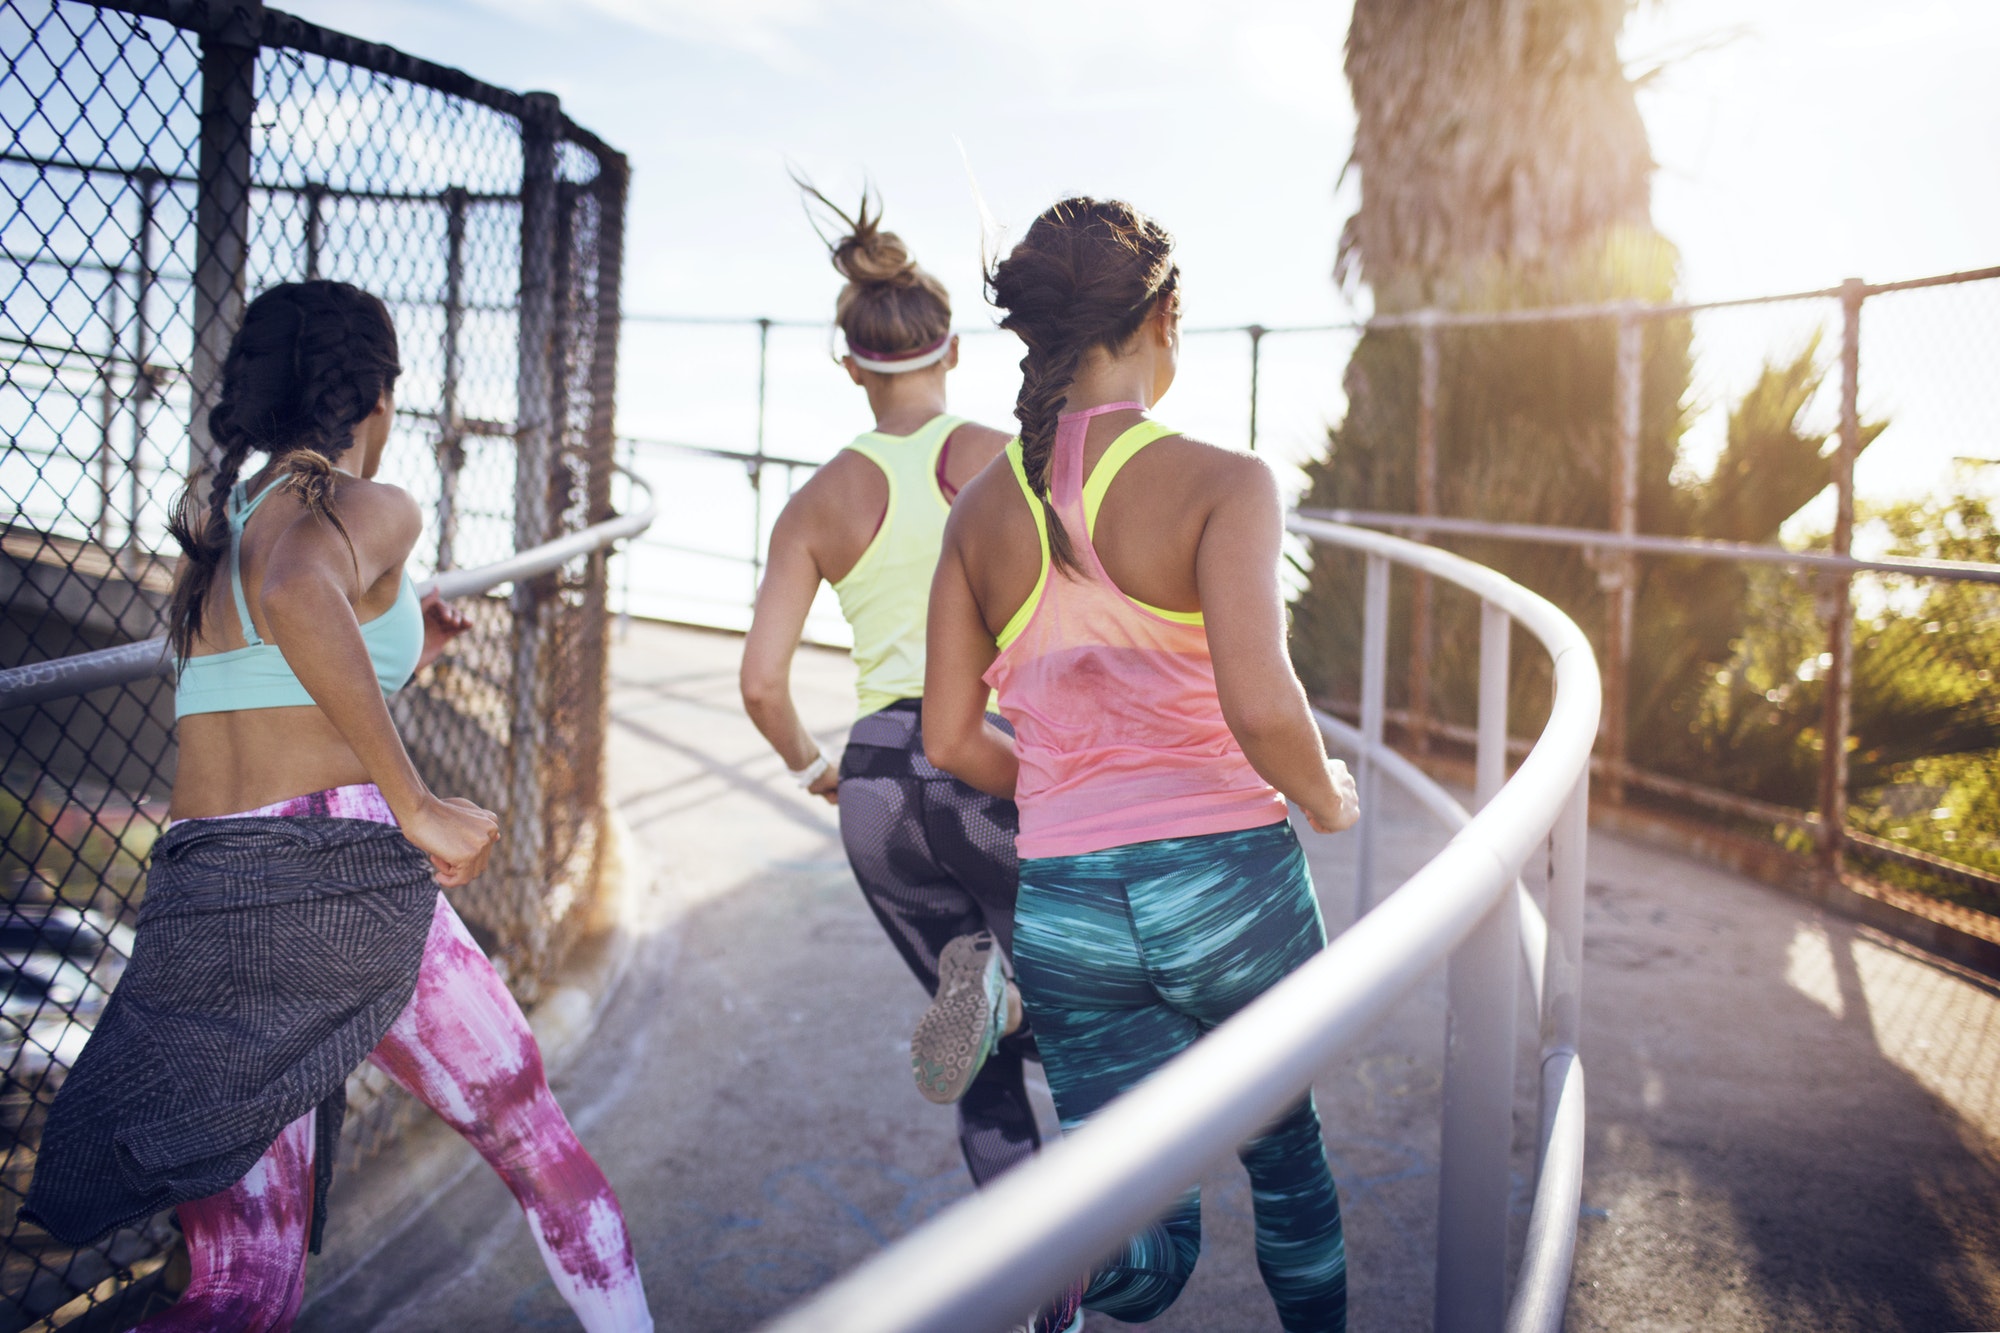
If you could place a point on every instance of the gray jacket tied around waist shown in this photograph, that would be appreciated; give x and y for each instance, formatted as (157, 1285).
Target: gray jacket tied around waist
(272, 955)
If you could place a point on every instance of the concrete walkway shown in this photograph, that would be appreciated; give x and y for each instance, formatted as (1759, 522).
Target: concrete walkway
(1795, 1123)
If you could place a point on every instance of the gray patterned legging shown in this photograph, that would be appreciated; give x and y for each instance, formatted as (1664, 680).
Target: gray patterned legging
(1125, 957)
(935, 860)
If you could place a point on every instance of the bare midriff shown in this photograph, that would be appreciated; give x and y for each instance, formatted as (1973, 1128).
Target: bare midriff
(241, 761)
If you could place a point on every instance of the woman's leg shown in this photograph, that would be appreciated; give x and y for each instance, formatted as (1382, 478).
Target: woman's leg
(1102, 1029)
(923, 905)
(1234, 922)
(463, 1049)
(1301, 1250)
(971, 835)
(247, 1245)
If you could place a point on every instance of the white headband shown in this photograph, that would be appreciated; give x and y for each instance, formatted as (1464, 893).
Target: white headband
(927, 356)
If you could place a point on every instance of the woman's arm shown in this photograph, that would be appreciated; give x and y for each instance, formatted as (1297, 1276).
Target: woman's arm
(443, 622)
(791, 580)
(311, 583)
(958, 650)
(1236, 574)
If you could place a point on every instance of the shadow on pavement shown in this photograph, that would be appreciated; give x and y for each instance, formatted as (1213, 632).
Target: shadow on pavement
(1793, 1121)
(1792, 1118)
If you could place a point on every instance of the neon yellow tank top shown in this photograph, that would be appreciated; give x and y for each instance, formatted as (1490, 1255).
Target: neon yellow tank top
(886, 596)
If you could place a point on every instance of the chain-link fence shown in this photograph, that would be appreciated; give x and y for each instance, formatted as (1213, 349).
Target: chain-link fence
(1641, 464)
(162, 161)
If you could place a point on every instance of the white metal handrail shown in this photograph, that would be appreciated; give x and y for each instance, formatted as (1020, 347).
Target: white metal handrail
(1693, 548)
(80, 673)
(980, 1264)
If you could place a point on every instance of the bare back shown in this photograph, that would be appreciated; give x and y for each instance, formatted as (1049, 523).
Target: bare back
(232, 761)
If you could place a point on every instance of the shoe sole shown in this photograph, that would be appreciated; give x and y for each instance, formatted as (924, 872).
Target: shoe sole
(952, 1040)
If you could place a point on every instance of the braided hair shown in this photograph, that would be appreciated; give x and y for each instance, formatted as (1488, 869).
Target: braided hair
(309, 363)
(1089, 273)
(891, 304)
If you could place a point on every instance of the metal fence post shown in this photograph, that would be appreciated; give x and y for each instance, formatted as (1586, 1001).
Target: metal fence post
(1495, 674)
(561, 474)
(1374, 679)
(312, 197)
(1836, 707)
(1620, 577)
(1562, 970)
(107, 405)
(625, 558)
(601, 445)
(535, 448)
(229, 46)
(144, 391)
(1477, 1130)
(451, 417)
(755, 466)
(1421, 635)
(1256, 332)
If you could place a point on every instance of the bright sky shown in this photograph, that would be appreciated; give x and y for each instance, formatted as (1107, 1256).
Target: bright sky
(1823, 139)
(1817, 137)
(1799, 142)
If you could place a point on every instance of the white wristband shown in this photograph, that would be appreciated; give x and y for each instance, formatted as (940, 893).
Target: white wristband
(810, 774)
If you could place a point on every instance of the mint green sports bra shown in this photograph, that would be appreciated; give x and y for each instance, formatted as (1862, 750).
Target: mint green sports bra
(257, 675)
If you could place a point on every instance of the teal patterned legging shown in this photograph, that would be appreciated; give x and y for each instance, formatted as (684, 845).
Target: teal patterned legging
(1125, 957)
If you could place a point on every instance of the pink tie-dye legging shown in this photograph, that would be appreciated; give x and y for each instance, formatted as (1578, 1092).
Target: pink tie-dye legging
(463, 1048)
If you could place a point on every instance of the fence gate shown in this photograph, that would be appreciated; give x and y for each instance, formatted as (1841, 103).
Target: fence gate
(161, 162)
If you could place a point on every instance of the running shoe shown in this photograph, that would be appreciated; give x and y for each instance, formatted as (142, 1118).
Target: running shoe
(965, 1021)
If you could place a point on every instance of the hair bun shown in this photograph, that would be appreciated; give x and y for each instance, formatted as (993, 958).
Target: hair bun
(873, 257)
(890, 304)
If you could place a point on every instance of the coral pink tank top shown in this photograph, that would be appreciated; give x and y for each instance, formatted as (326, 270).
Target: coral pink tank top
(1119, 732)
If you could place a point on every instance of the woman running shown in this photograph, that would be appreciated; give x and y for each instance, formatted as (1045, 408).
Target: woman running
(934, 858)
(293, 924)
(1117, 584)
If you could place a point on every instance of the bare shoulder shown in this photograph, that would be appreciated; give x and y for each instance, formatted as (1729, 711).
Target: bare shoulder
(840, 482)
(986, 436)
(363, 503)
(991, 495)
(832, 518)
(983, 442)
(990, 515)
(1225, 475)
(379, 525)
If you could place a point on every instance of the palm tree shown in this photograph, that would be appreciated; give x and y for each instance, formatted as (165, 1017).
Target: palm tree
(1497, 142)
(1503, 163)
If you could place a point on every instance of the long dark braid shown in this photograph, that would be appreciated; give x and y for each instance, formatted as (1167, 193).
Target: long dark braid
(1088, 274)
(307, 366)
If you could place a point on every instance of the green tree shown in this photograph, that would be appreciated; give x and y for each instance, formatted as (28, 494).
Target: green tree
(1694, 617)
(1926, 743)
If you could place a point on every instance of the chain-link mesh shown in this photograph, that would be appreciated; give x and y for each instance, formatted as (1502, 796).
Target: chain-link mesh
(1933, 648)
(1719, 674)
(162, 163)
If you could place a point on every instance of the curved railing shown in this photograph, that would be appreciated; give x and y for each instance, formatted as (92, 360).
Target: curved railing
(39, 682)
(980, 1264)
